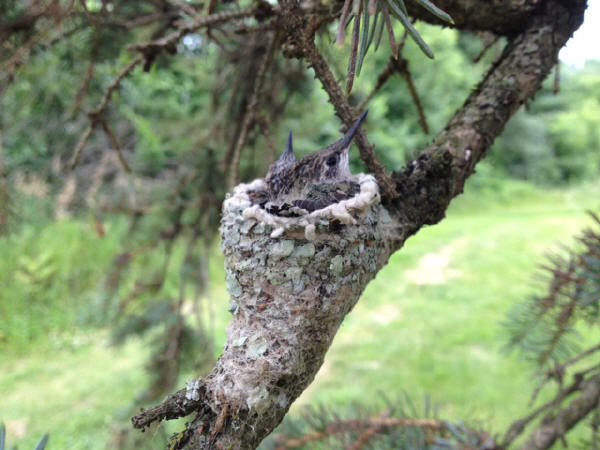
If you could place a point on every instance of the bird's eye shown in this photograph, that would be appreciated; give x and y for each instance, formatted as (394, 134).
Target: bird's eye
(332, 160)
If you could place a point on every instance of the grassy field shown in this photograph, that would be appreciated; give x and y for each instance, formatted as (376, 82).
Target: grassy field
(429, 323)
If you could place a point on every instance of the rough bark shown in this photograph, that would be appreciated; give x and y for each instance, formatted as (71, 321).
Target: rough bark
(292, 283)
(503, 17)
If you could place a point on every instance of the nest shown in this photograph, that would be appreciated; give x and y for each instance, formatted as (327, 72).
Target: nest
(343, 212)
(291, 280)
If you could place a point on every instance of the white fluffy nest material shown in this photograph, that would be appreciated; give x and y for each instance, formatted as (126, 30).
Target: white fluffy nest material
(345, 211)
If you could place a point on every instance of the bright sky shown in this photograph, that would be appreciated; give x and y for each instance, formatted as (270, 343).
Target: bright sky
(585, 44)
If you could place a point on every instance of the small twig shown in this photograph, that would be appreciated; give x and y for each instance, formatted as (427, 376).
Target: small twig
(402, 42)
(170, 40)
(559, 370)
(18, 57)
(344, 111)
(343, 426)
(134, 22)
(405, 72)
(366, 436)
(401, 66)
(587, 371)
(87, 78)
(245, 29)
(518, 426)
(250, 112)
(264, 129)
(173, 407)
(489, 39)
(115, 84)
(96, 115)
(211, 6)
(116, 145)
(80, 144)
(562, 323)
(556, 424)
(87, 13)
(541, 384)
(25, 22)
(316, 22)
(187, 8)
(383, 77)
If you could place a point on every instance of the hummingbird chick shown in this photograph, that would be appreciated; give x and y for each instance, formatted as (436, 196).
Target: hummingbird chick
(296, 187)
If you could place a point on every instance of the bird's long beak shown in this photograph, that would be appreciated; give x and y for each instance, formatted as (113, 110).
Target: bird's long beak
(344, 141)
(289, 148)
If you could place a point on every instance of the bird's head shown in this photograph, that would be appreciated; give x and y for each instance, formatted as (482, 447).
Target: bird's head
(332, 163)
(329, 164)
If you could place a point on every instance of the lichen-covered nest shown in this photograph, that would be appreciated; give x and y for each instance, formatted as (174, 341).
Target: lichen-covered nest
(292, 280)
(244, 199)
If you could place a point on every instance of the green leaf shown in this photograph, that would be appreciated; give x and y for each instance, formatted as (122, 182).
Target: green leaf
(402, 7)
(437, 12)
(379, 31)
(353, 50)
(410, 28)
(41, 445)
(374, 27)
(364, 39)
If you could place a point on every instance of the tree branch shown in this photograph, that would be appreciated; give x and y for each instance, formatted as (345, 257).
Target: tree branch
(180, 404)
(96, 115)
(518, 426)
(504, 17)
(167, 42)
(368, 424)
(555, 426)
(425, 189)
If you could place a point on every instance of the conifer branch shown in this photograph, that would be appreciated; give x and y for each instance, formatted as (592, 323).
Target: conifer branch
(251, 110)
(166, 43)
(344, 426)
(115, 143)
(554, 426)
(344, 111)
(96, 116)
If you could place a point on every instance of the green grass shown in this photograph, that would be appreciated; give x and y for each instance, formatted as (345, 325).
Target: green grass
(429, 323)
(45, 271)
(72, 394)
